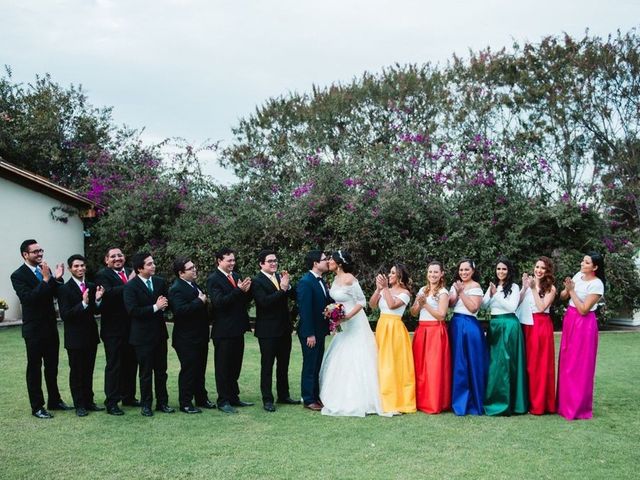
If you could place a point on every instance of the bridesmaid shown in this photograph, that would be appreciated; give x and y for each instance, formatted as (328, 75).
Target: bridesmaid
(579, 344)
(431, 353)
(468, 345)
(507, 384)
(395, 360)
(536, 296)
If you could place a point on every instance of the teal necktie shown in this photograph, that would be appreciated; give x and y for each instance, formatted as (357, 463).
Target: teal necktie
(149, 285)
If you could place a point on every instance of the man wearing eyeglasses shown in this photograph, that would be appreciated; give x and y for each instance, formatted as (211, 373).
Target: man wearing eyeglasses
(36, 285)
(190, 336)
(271, 292)
(313, 297)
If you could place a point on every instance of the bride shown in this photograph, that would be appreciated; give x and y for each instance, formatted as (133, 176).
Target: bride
(349, 372)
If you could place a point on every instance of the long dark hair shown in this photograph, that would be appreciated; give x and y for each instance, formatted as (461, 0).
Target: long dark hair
(403, 275)
(549, 279)
(598, 261)
(476, 274)
(511, 273)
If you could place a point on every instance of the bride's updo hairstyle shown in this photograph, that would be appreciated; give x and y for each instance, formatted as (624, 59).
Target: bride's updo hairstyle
(344, 259)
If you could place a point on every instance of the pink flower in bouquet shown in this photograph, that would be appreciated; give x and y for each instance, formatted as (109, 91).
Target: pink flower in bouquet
(334, 313)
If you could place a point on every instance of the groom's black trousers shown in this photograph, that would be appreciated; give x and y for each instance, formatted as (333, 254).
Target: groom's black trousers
(311, 362)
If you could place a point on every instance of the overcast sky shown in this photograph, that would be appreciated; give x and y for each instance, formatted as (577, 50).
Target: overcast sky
(193, 68)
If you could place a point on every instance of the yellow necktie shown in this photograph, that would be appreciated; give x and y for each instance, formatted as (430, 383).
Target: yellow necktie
(275, 282)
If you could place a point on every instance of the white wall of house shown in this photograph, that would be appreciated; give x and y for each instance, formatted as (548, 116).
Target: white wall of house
(26, 213)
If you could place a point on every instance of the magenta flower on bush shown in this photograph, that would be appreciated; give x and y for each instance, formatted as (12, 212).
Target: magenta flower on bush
(350, 182)
(97, 190)
(302, 190)
(609, 244)
(484, 178)
(544, 165)
(313, 160)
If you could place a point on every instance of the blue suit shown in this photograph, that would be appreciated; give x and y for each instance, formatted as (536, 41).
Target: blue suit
(311, 304)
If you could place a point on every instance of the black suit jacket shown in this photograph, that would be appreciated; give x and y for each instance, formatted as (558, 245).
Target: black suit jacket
(80, 327)
(190, 316)
(36, 298)
(230, 316)
(273, 318)
(114, 319)
(147, 327)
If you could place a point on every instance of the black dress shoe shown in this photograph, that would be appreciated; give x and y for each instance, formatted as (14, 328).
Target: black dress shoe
(115, 410)
(288, 401)
(190, 409)
(42, 413)
(81, 412)
(240, 403)
(268, 406)
(207, 404)
(95, 408)
(165, 409)
(226, 408)
(146, 411)
(59, 406)
(131, 403)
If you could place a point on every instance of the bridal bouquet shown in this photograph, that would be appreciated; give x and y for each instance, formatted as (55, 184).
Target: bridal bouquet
(334, 313)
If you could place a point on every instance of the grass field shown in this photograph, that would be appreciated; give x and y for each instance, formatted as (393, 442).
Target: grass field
(297, 443)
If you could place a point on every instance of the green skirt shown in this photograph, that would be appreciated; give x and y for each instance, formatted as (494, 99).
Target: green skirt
(506, 392)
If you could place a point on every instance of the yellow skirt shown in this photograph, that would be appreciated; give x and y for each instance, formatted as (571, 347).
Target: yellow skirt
(395, 365)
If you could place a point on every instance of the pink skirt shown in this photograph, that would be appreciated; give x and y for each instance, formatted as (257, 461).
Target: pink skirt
(577, 364)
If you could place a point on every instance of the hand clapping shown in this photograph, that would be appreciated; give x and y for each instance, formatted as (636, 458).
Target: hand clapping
(162, 303)
(569, 285)
(245, 284)
(284, 280)
(381, 282)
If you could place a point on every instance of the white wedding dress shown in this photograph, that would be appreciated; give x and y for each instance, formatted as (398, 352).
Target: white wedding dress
(349, 374)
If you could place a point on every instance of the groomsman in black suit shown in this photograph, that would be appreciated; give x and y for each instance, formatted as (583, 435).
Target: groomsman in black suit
(230, 299)
(190, 335)
(36, 286)
(115, 326)
(79, 301)
(271, 292)
(145, 298)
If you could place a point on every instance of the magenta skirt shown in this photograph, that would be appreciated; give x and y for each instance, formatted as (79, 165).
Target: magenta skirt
(577, 364)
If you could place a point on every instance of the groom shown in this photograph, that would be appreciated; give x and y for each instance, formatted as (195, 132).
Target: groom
(313, 297)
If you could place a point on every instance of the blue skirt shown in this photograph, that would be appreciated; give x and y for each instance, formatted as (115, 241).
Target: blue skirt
(470, 360)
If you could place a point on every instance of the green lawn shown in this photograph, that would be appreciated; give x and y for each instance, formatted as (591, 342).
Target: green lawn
(297, 443)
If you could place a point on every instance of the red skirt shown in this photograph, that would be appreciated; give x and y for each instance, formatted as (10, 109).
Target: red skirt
(541, 368)
(432, 359)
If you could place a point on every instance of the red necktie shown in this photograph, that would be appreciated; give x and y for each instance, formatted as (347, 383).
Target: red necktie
(231, 280)
(123, 276)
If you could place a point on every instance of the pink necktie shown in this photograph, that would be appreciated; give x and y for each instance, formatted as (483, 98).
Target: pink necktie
(83, 287)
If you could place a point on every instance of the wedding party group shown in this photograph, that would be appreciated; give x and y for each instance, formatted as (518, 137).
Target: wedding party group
(510, 370)
(449, 365)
